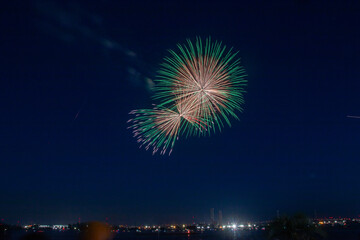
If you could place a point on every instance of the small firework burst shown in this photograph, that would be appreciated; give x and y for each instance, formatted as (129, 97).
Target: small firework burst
(160, 127)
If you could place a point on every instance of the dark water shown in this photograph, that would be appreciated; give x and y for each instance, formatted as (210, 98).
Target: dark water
(332, 234)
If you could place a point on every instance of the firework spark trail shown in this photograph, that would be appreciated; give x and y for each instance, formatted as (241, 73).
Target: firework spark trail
(199, 88)
(353, 116)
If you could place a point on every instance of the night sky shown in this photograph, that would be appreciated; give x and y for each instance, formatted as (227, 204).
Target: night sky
(71, 72)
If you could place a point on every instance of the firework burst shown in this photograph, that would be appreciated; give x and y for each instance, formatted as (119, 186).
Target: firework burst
(208, 75)
(160, 127)
(198, 88)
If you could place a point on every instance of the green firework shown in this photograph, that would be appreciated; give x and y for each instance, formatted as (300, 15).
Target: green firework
(207, 74)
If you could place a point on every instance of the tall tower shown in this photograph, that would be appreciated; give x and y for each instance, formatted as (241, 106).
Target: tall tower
(212, 216)
(220, 217)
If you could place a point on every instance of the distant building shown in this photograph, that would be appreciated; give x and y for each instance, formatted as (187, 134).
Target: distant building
(44, 226)
(212, 216)
(220, 218)
(60, 227)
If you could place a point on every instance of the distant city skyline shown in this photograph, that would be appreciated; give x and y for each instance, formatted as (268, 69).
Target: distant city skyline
(232, 224)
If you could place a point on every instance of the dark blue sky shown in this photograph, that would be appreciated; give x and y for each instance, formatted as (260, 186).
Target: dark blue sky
(70, 73)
